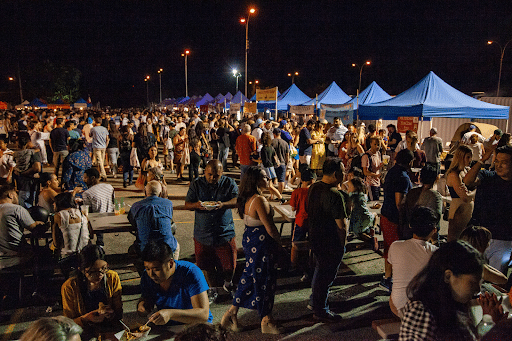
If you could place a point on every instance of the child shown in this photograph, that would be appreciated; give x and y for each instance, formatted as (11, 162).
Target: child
(361, 219)
(298, 204)
(195, 158)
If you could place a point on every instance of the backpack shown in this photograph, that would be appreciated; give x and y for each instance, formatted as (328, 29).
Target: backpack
(357, 162)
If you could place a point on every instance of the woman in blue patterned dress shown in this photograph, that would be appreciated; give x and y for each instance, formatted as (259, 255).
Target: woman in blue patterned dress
(74, 166)
(261, 243)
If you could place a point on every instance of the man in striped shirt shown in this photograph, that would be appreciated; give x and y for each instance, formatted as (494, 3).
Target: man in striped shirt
(100, 196)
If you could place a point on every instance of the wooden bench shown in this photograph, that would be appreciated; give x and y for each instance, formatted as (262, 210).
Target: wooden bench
(388, 329)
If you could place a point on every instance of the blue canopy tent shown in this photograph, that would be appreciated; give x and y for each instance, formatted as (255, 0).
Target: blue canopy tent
(239, 98)
(372, 94)
(228, 97)
(183, 100)
(219, 98)
(292, 96)
(207, 99)
(331, 95)
(432, 97)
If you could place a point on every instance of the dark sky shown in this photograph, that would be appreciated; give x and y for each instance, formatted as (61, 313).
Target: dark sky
(116, 43)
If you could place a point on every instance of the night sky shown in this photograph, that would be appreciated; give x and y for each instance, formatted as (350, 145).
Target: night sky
(115, 44)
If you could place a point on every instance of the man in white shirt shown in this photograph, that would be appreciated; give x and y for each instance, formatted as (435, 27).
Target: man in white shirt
(180, 123)
(99, 196)
(472, 131)
(257, 132)
(335, 136)
(409, 257)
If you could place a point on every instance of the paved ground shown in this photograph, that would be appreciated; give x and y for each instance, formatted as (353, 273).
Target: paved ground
(355, 295)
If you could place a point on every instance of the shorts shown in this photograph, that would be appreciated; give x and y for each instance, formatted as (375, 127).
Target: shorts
(281, 173)
(219, 257)
(389, 232)
(299, 233)
(271, 172)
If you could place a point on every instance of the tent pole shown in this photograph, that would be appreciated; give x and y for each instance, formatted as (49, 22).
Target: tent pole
(275, 118)
(357, 101)
(421, 128)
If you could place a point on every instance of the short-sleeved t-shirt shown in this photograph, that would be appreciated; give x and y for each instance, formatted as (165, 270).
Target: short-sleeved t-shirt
(325, 205)
(492, 205)
(214, 227)
(397, 181)
(59, 139)
(282, 149)
(13, 220)
(372, 166)
(99, 137)
(187, 281)
(298, 202)
(245, 146)
(304, 147)
(394, 136)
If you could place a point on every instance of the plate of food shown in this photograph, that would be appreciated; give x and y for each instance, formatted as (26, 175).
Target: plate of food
(138, 334)
(210, 205)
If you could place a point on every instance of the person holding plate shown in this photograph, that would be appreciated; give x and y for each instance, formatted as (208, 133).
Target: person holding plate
(211, 197)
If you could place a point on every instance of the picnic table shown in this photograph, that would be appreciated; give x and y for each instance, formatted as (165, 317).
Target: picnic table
(110, 223)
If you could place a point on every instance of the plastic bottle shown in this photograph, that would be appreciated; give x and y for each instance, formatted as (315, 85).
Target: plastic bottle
(485, 325)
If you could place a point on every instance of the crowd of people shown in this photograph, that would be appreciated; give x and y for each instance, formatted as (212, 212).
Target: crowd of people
(335, 173)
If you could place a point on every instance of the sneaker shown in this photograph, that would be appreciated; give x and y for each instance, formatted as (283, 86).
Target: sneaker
(328, 317)
(386, 284)
(212, 295)
(282, 200)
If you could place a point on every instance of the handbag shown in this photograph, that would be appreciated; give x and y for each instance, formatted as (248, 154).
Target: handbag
(134, 159)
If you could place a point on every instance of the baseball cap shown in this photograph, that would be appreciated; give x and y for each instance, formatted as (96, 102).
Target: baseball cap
(433, 131)
(307, 174)
(259, 121)
(498, 132)
(472, 126)
(282, 123)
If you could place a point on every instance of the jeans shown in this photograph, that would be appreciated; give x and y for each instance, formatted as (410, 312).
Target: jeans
(58, 158)
(498, 254)
(374, 193)
(127, 173)
(326, 269)
(99, 155)
(223, 155)
(113, 155)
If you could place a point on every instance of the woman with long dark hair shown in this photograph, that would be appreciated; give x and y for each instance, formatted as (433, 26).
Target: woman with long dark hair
(113, 146)
(261, 243)
(439, 296)
(461, 207)
(143, 140)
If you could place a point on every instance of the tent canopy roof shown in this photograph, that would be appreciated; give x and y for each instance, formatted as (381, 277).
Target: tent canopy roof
(292, 96)
(239, 98)
(207, 98)
(331, 95)
(372, 94)
(432, 97)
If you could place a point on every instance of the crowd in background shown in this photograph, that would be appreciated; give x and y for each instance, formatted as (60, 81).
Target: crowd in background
(355, 166)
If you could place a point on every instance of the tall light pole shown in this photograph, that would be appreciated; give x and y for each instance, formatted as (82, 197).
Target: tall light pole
(254, 84)
(501, 61)
(12, 79)
(296, 73)
(185, 54)
(147, 88)
(160, 74)
(246, 22)
(237, 75)
(359, 88)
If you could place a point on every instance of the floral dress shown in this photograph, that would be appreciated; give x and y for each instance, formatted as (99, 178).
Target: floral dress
(257, 286)
(361, 219)
(73, 169)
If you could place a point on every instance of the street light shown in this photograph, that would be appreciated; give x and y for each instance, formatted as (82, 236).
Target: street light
(237, 75)
(147, 88)
(185, 54)
(254, 84)
(160, 74)
(293, 76)
(359, 88)
(12, 79)
(245, 21)
(490, 42)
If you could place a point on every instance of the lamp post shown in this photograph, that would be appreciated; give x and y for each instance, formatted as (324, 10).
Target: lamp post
(12, 79)
(245, 21)
(254, 84)
(359, 88)
(293, 76)
(147, 88)
(237, 75)
(160, 74)
(185, 54)
(490, 42)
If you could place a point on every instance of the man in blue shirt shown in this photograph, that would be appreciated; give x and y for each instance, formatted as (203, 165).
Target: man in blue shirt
(214, 233)
(306, 143)
(177, 288)
(152, 218)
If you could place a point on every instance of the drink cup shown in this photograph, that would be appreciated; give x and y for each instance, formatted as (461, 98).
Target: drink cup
(85, 210)
(385, 159)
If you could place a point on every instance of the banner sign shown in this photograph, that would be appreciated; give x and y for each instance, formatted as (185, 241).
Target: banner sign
(302, 109)
(407, 123)
(343, 111)
(234, 108)
(266, 95)
(250, 108)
